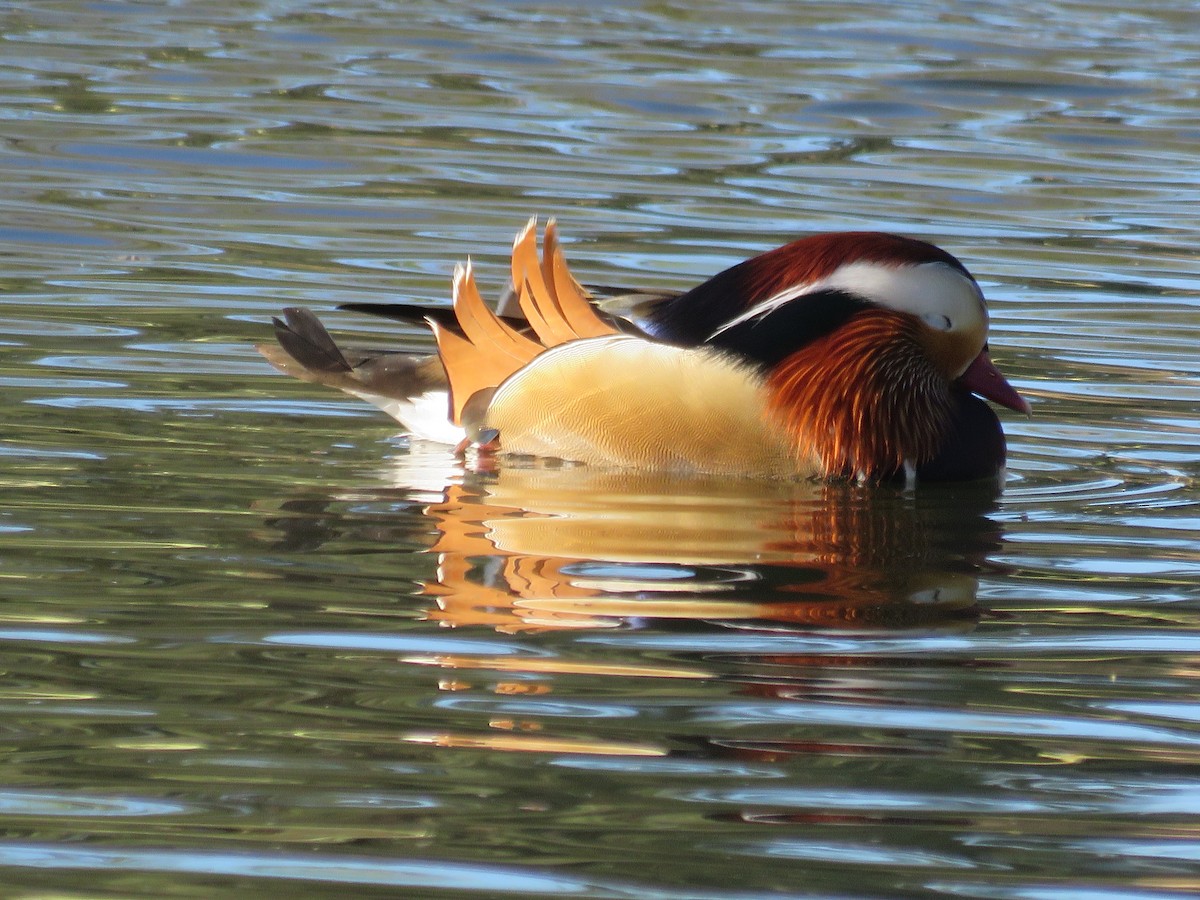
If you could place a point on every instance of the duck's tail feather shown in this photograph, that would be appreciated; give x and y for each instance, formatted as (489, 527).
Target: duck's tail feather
(308, 352)
(307, 342)
(477, 349)
(410, 389)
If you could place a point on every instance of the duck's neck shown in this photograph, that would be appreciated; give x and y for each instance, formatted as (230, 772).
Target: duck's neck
(864, 399)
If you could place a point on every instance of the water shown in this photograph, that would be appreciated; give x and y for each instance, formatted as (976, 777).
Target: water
(254, 642)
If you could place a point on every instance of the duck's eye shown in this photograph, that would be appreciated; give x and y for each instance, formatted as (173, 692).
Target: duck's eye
(938, 321)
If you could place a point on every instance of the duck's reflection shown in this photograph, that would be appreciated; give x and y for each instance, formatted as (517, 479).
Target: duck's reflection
(540, 547)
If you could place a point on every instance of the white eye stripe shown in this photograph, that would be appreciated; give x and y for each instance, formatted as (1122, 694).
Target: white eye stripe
(928, 290)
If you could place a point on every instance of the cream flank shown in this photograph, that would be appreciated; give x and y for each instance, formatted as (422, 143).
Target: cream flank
(624, 401)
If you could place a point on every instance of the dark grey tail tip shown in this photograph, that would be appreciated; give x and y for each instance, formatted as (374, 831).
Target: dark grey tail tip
(298, 315)
(304, 338)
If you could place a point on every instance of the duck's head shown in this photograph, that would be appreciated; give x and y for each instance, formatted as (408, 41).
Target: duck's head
(871, 345)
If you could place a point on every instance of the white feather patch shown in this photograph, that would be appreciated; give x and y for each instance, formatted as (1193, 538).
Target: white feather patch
(936, 292)
(425, 416)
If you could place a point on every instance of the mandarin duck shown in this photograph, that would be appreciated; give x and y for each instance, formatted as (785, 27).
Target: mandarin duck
(857, 355)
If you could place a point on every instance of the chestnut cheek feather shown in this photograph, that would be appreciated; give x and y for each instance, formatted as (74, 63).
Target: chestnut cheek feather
(865, 398)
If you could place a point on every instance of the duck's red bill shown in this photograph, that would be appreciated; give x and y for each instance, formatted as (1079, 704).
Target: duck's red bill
(983, 378)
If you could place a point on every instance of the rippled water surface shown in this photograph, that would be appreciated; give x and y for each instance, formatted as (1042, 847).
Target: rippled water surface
(255, 643)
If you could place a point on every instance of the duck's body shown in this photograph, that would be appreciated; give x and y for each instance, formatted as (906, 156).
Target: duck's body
(847, 355)
(591, 400)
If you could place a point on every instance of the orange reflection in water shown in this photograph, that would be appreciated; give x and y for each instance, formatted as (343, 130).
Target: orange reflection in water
(532, 743)
(540, 548)
(524, 549)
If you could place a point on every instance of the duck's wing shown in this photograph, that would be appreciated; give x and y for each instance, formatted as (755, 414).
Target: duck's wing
(419, 314)
(624, 309)
(632, 310)
(483, 351)
(629, 310)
